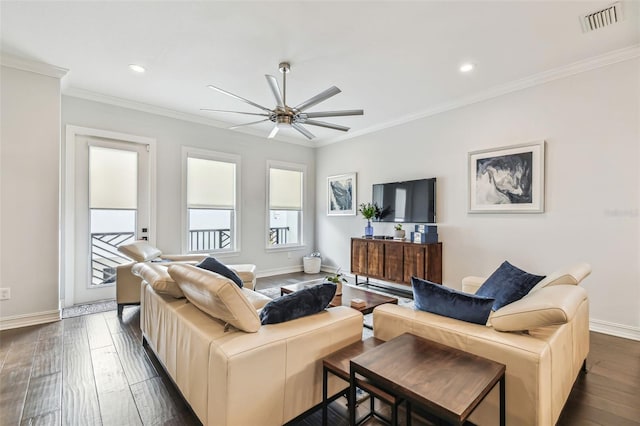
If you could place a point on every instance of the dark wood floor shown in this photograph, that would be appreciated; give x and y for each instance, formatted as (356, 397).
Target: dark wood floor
(92, 370)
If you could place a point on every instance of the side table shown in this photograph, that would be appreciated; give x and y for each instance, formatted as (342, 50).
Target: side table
(447, 382)
(338, 364)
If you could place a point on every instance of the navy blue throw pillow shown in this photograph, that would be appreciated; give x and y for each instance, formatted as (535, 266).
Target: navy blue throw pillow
(441, 300)
(213, 265)
(508, 284)
(301, 303)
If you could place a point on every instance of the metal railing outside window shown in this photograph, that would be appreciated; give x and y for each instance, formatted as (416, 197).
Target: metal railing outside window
(105, 256)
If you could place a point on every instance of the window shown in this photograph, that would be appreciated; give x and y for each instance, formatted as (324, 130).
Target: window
(286, 183)
(211, 199)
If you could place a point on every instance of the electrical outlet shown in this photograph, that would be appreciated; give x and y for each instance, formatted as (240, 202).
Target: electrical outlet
(5, 293)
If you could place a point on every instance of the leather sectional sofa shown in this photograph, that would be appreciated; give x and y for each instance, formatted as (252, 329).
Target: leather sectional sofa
(265, 376)
(543, 339)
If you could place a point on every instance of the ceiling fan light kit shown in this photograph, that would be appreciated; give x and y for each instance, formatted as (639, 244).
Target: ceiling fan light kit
(285, 116)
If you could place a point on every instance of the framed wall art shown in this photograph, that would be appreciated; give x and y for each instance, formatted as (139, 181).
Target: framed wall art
(341, 195)
(508, 179)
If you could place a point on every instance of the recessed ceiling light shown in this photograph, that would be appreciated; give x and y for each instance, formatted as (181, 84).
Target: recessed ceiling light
(136, 68)
(467, 67)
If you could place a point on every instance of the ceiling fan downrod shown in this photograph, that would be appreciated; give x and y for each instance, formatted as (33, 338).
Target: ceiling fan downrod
(284, 68)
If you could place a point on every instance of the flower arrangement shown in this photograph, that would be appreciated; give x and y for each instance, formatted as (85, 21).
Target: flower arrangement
(369, 210)
(398, 227)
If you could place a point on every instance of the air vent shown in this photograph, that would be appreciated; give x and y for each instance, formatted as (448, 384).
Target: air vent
(601, 18)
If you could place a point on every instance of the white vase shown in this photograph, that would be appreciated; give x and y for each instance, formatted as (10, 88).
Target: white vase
(399, 234)
(339, 289)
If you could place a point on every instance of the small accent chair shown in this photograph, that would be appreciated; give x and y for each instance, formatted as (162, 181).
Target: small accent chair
(128, 285)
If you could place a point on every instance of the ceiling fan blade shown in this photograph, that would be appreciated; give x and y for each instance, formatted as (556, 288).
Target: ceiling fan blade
(320, 97)
(332, 113)
(247, 124)
(327, 125)
(274, 132)
(238, 97)
(235, 112)
(273, 85)
(302, 130)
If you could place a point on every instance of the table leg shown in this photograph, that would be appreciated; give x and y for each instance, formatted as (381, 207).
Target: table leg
(324, 396)
(352, 397)
(503, 416)
(408, 412)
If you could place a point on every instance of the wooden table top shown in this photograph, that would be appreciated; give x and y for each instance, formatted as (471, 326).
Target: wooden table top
(348, 292)
(338, 364)
(447, 381)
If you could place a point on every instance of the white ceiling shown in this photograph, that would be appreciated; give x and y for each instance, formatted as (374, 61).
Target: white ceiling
(396, 60)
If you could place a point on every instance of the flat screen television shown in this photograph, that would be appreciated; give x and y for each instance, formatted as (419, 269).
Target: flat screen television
(411, 201)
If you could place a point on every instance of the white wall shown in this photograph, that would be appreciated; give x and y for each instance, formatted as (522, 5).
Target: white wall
(591, 123)
(29, 170)
(171, 134)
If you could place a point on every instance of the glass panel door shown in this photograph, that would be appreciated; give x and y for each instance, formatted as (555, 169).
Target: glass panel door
(111, 208)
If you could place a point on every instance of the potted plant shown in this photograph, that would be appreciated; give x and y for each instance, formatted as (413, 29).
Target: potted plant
(369, 211)
(337, 279)
(399, 233)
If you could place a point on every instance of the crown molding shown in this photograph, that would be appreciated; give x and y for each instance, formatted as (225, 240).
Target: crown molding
(609, 58)
(23, 64)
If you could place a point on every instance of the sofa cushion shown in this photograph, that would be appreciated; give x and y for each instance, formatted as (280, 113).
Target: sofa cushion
(216, 295)
(507, 284)
(212, 264)
(157, 276)
(553, 305)
(301, 303)
(441, 300)
(140, 251)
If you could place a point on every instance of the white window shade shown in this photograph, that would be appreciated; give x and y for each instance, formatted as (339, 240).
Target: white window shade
(210, 184)
(113, 178)
(285, 189)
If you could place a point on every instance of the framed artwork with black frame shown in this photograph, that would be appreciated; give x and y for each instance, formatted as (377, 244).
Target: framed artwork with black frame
(508, 179)
(341, 195)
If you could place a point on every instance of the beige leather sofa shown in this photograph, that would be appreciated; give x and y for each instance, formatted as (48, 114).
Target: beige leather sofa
(544, 343)
(128, 285)
(228, 376)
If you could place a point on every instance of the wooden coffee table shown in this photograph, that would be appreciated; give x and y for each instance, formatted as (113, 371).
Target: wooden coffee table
(338, 364)
(372, 299)
(447, 382)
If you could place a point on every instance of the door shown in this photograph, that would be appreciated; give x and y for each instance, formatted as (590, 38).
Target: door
(111, 208)
(393, 262)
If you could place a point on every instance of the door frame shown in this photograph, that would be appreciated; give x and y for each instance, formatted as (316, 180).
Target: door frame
(67, 200)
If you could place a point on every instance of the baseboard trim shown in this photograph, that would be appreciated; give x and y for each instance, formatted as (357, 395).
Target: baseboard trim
(614, 329)
(25, 320)
(279, 271)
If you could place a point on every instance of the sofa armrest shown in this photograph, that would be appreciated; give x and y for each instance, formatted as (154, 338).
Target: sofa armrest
(472, 284)
(279, 367)
(127, 285)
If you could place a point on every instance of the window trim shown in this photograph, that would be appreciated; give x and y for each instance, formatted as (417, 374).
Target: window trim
(298, 167)
(205, 154)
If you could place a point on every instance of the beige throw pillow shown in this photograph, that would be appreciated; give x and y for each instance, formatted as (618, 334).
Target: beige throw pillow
(217, 296)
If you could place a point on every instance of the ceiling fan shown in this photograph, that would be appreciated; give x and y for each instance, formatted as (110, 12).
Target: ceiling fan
(285, 116)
